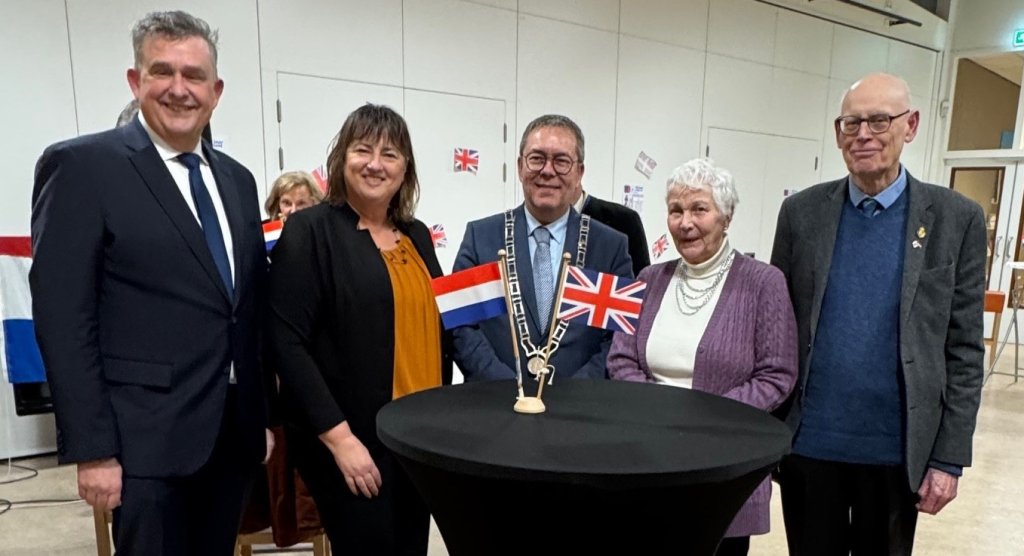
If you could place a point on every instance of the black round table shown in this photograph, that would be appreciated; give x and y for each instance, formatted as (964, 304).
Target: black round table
(610, 468)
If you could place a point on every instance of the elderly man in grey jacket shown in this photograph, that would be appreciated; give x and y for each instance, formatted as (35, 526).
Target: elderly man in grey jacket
(887, 278)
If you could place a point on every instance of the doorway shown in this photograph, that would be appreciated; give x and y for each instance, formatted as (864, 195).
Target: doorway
(998, 186)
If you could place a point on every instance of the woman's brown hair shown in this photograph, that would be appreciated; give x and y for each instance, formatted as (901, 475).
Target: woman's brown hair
(373, 123)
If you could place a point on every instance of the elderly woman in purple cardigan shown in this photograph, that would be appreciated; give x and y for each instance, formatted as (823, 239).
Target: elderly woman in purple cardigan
(715, 320)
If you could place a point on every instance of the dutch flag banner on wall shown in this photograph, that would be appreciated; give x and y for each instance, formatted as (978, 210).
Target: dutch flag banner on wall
(470, 296)
(21, 361)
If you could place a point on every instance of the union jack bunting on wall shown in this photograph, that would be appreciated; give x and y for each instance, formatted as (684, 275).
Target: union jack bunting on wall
(438, 236)
(601, 300)
(660, 246)
(467, 160)
(320, 175)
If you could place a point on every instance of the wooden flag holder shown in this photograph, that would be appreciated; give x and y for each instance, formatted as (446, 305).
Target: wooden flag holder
(524, 403)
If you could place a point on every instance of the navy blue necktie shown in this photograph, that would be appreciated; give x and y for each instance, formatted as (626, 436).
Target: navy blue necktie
(208, 217)
(869, 207)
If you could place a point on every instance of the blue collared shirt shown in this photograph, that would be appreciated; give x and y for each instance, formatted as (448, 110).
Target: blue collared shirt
(888, 195)
(558, 229)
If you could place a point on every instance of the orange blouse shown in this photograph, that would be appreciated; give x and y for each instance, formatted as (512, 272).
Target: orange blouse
(417, 322)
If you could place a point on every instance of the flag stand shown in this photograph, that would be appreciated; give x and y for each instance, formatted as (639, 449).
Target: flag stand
(524, 404)
(527, 404)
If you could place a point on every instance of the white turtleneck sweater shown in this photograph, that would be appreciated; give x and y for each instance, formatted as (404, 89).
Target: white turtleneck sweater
(672, 345)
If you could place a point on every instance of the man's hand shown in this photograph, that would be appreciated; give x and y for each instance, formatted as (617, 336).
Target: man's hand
(270, 446)
(937, 490)
(353, 459)
(99, 483)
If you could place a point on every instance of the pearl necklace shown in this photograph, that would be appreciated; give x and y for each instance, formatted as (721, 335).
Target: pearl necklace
(691, 299)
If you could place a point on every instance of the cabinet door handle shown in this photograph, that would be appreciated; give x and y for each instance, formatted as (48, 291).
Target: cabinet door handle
(1009, 248)
(998, 244)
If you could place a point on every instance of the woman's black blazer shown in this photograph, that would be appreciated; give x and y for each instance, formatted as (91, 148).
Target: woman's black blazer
(331, 326)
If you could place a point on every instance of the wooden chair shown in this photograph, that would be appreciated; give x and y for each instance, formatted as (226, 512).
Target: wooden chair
(102, 520)
(243, 546)
(995, 301)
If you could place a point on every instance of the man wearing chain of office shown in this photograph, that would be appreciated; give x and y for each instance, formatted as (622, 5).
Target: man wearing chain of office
(535, 235)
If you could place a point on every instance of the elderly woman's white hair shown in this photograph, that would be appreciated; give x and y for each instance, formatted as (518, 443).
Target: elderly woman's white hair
(701, 173)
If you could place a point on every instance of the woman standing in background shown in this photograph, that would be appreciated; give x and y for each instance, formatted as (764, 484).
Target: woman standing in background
(291, 192)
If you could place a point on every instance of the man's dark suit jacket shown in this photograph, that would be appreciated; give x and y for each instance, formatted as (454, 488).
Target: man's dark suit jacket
(484, 351)
(136, 328)
(626, 220)
(940, 328)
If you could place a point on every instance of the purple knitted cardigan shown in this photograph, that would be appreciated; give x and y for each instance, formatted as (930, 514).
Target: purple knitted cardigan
(748, 352)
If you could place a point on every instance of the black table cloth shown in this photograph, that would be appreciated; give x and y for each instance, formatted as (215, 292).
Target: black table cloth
(610, 468)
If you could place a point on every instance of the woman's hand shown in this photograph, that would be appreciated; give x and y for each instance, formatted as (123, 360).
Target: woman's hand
(353, 459)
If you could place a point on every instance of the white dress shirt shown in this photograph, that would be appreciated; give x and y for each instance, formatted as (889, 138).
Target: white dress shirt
(180, 174)
(558, 229)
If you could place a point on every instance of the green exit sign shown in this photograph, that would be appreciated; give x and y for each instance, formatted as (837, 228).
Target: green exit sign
(1018, 38)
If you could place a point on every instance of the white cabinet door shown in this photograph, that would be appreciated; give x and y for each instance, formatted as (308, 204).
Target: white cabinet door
(451, 196)
(745, 155)
(312, 110)
(764, 167)
(792, 166)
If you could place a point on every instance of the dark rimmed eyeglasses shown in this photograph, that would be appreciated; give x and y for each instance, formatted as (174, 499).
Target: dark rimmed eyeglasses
(561, 164)
(877, 123)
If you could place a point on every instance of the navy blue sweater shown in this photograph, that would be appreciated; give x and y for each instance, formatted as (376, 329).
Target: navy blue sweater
(853, 406)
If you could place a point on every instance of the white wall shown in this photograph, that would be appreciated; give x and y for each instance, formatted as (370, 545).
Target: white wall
(932, 32)
(650, 75)
(986, 25)
(38, 97)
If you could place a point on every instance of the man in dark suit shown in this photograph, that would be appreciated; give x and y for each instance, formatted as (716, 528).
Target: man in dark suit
(147, 284)
(621, 218)
(887, 279)
(538, 232)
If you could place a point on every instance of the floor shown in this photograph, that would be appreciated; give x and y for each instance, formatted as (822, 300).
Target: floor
(985, 519)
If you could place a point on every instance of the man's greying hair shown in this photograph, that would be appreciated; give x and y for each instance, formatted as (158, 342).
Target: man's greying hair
(554, 120)
(172, 25)
(128, 114)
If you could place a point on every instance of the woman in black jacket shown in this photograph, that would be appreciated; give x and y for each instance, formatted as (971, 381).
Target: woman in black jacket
(352, 325)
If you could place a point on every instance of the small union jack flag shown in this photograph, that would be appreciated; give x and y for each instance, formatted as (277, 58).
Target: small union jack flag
(601, 300)
(320, 175)
(660, 246)
(438, 236)
(467, 160)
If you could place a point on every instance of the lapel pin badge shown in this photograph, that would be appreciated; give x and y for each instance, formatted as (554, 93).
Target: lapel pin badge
(916, 244)
(921, 232)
